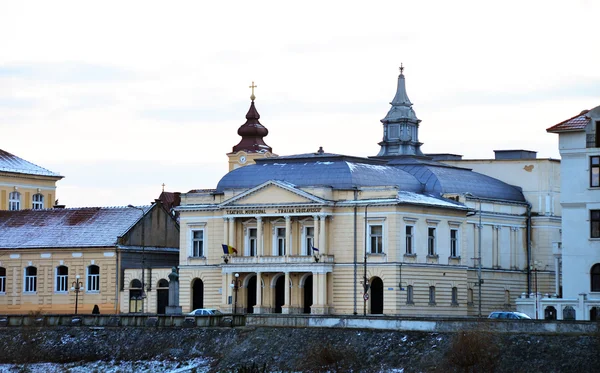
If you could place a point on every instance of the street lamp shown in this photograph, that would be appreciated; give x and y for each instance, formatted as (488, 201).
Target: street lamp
(143, 296)
(235, 285)
(480, 227)
(77, 286)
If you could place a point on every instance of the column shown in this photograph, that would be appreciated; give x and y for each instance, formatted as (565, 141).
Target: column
(225, 234)
(258, 306)
(513, 247)
(259, 239)
(322, 236)
(286, 301)
(316, 305)
(495, 246)
(316, 237)
(557, 273)
(231, 239)
(288, 236)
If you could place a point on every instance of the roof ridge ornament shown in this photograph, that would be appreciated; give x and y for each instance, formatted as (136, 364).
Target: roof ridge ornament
(252, 97)
(401, 68)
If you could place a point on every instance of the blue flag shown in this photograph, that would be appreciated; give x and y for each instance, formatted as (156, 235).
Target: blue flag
(314, 248)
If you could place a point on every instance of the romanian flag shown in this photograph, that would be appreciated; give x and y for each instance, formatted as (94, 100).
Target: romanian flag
(228, 250)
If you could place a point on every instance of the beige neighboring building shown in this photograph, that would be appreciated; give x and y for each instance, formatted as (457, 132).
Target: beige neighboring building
(24, 185)
(45, 253)
(321, 233)
(539, 179)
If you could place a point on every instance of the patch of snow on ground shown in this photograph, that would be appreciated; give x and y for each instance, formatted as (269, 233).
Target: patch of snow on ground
(196, 365)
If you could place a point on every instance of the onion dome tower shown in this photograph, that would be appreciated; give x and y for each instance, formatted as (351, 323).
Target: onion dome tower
(252, 145)
(400, 125)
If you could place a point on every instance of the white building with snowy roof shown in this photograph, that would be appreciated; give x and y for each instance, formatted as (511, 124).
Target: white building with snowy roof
(397, 233)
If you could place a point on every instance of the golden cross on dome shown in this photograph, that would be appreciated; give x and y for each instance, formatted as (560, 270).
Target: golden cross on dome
(401, 68)
(252, 97)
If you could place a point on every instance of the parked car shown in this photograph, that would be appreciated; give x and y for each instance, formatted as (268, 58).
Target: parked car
(509, 315)
(205, 312)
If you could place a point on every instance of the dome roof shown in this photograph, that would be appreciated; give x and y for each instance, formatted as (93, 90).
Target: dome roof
(330, 170)
(411, 174)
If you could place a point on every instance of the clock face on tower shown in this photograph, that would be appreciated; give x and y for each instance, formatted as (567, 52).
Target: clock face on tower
(243, 159)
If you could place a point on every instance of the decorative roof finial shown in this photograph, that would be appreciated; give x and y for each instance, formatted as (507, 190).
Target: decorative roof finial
(252, 97)
(401, 68)
(163, 185)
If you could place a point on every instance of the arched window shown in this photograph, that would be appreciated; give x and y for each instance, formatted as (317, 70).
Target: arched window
(568, 313)
(507, 298)
(163, 283)
(62, 279)
(37, 202)
(2, 280)
(93, 278)
(136, 297)
(30, 280)
(409, 295)
(469, 297)
(595, 277)
(455, 296)
(432, 295)
(14, 201)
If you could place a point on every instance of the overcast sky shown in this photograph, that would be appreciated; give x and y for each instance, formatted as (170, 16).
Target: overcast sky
(122, 96)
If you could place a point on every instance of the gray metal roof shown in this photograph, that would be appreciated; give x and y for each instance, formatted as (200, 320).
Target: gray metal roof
(410, 174)
(11, 163)
(440, 179)
(330, 170)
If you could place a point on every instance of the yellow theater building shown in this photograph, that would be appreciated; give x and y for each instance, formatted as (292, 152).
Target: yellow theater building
(24, 185)
(322, 233)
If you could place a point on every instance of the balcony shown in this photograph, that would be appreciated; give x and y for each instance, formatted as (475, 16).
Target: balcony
(292, 263)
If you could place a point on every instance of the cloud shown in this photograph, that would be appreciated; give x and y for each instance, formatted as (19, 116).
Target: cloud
(67, 72)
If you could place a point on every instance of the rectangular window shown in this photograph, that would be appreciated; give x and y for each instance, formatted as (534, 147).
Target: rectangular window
(409, 295)
(454, 243)
(280, 241)
(198, 243)
(409, 239)
(376, 239)
(37, 202)
(2, 280)
(431, 241)
(252, 241)
(455, 296)
(597, 134)
(14, 201)
(595, 223)
(595, 171)
(309, 242)
(62, 279)
(93, 278)
(432, 295)
(30, 280)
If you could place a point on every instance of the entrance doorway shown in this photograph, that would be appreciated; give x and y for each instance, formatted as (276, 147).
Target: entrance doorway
(376, 296)
(197, 294)
(308, 294)
(279, 294)
(251, 295)
(162, 297)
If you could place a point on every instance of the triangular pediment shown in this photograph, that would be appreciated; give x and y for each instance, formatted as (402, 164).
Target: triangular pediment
(273, 193)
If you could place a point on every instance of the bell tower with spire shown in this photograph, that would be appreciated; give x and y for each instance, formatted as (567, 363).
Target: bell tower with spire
(252, 145)
(400, 125)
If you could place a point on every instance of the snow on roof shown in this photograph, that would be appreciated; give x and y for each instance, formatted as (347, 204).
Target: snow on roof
(422, 199)
(12, 163)
(58, 228)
